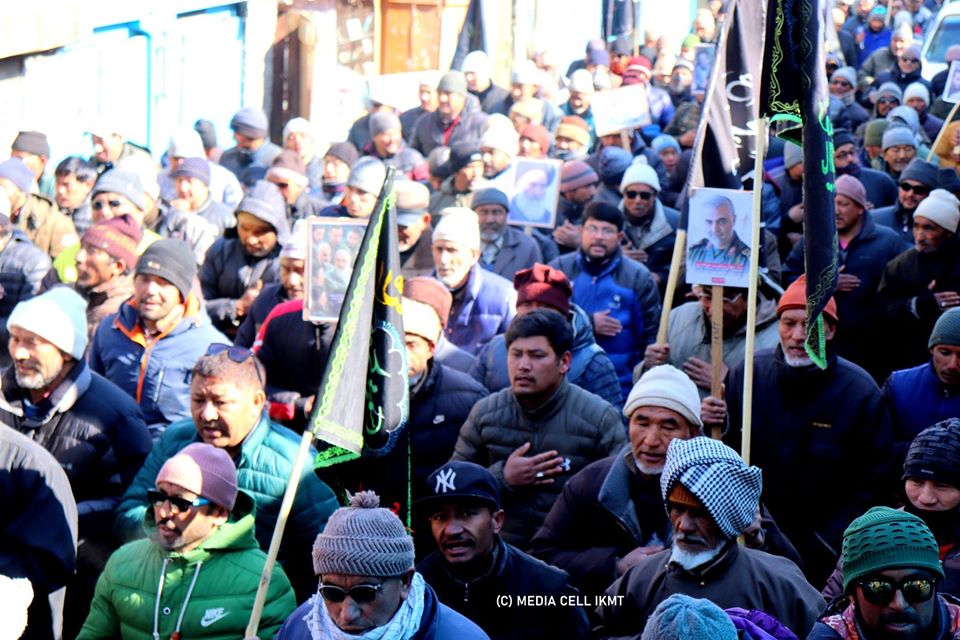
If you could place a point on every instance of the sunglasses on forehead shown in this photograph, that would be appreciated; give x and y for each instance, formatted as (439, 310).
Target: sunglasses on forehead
(362, 593)
(235, 354)
(880, 592)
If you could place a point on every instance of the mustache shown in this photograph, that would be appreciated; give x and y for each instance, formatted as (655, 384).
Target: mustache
(898, 617)
(691, 538)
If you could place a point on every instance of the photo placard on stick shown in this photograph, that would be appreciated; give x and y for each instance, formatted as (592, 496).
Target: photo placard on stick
(951, 90)
(620, 109)
(535, 193)
(332, 247)
(718, 237)
(702, 63)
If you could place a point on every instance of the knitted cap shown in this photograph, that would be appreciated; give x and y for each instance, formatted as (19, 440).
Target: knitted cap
(792, 155)
(119, 237)
(383, 121)
(850, 187)
(463, 153)
(946, 330)
(718, 477)
(34, 142)
(885, 538)
(367, 174)
(613, 162)
(847, 73)
(297, 125)
(795, 297)
(344, 152)
(574, 128)
(529, 108)
(18, 173)
(941, 208)
(543, 284)
(289, 167)
(904, 116)
(172, 260)
(916, 90)
(681, 616)
(453, 82)
(264, 202)
(664, 141)
(458, 225)
(363, 539)
(842, 137)
(500, 134)
(873, 134)
(124, 183)
(207, 133)
(934, 453)
(581, 81)
(421, 319)
(490, 196)
(575, 174)
(198, 168)
(432, 292)
(251, 122)
(477, 62)
(59, 316)
(922, 171)
(205, 470)
(887, 89)
(639, 172)
(539, 134)
(667, 387)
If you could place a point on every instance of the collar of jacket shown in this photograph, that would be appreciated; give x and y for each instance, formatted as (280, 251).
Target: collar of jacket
(649, 232)
(471, 293)
(127, 320)
(943, 390)
(254, 439)
(60, 401)
(713, 571)
(122, 285)
(500, 552)
(553, 405)
(604, 268)
(811, 373)
(424, 390)
(614, 495)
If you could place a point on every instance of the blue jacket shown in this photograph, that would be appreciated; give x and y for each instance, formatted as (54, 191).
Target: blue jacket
(917, 399)
(627, 288)
(263, 471)
(156, 373)
(590, 368)
(488, 305)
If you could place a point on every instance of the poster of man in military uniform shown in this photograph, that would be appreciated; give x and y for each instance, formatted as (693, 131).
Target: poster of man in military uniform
(716, 251)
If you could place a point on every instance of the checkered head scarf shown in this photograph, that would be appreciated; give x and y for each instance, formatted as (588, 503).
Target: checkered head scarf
(718, 477)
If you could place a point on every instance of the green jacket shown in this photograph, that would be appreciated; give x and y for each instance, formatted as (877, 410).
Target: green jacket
(227, 566)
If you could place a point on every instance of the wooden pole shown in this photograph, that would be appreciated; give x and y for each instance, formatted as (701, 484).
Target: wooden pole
(671, 290)
(747, 424)
(302, 454)
(625, 141)
(716, 348)
(943, 129)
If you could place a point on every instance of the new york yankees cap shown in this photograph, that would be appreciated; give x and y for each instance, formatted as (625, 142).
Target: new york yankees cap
(455, 480)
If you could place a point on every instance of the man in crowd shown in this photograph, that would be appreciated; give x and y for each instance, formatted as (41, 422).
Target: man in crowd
(917, 180)
(881, 188)
(36, 216)
(105, 266)
(454, 120)
(543, 287)
(298, 136)
(110, 147)
(434, 293)
(361, 191)
(197, 518)
(235, 269)
(899, 148)
(192, 185)
(387, 145)
(427, 96)
(336, 171)
(578, 186)
(578, 104)
(483, 302)
(472, 566)
(503, 250)
(651, 227)
(365, 554)
(572, 139)
(891, 577)
(148, 347)
(74, 178)
(289, 174)
(620, 294)
(33, 149)
(253, 153)
(534, 435)
(414, 232)
(227, 403)
(499, 146)
(477, 69)
(849, 445)
(223, 186)
(711, 497)
(466, 167)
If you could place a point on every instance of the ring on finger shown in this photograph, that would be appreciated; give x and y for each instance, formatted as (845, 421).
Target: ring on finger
(539, 475)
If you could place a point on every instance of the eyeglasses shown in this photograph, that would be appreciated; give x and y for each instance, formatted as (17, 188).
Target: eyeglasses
(880, 592)
(918, 189)
(706, 295)
(362, 593)
(236, 354)
(909, 60)
(99, 204)
(886, 100)
(842, 83)
(603, 232)
(840, 155)
(178, 504)
(643, 195)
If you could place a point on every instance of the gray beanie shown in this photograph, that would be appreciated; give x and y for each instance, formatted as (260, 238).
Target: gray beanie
(792, 155)
(172, 260)
(251, 122)
(125, 183)
(847, 73)
(264, 201)
(898, 135)
(490, 196)
(367, 174)
(946, 330)
(363, 539)
(922, 171)
(887, 89)
(383, 121)
(453, 82)
(681, 616)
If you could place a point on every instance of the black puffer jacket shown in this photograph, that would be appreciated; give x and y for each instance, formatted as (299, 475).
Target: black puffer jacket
(580, 426)
(22, 267)
(228, 271)
(271, 295)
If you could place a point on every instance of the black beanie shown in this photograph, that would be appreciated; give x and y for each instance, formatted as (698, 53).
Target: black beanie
(172, 260)
(935, 454)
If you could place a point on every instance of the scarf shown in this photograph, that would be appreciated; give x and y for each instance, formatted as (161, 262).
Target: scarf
(402, 626)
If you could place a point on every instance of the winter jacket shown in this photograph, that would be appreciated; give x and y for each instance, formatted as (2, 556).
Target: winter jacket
(154, 371)
(207, 592)
(448, 196)
(882, 190)
(897, 218)
(513, 573)
(429, 132)
(903, 80)
(738, 577)
(493, 99)
(38, 529)
(438, 622)
(270, 296)
(580, 426)
(517, 251)
(840, 621)
(228, 271)
(249, 166)
(22, 267)
(627, 289)
(453, 356)
(917, 399)
(218, 214)
(191, 228)
(482, 308)
(105, 299)
(875, 56)
(418, 260)
(224, 187)
(830, 428)
(47, 228)
(865, 257)
(656, 238)
(263, 470)
(95, 432)
(910, 307)
(590, 368)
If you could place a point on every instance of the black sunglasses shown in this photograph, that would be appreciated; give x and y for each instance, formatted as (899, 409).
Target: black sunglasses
(114, 204)
(918, 189)
(236, 354)
(643, 195)
(887, 101)
(362, 593)
(157, 498)
(880, 592)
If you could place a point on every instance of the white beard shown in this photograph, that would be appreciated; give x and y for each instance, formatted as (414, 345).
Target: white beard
(691, 560)
(796, 363)
(646, 469)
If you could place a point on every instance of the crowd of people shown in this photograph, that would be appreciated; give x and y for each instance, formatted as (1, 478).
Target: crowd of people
(168, 319)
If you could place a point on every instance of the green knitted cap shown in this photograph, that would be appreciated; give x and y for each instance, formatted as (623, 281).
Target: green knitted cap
(885, 538)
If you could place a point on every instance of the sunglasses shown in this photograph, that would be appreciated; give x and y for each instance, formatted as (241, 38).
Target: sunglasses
(887, 101)
(918, 189)
(880, 592)
(179, 505)
(236, 354)
(361, 594)
(909, 60)
(643, 195)
(99, 204)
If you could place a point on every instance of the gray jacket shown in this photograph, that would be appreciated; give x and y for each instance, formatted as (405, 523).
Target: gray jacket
(519, 251)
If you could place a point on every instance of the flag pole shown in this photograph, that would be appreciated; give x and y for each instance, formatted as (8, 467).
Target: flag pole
(671, 290)
(716, 349)
(747, 422)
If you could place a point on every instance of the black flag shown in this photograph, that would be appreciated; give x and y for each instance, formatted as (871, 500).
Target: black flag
(363, 400)
(795, 92)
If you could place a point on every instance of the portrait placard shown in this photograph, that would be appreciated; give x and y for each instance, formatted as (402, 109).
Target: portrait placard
(951, 90)
(622, 109)
(332, 247)
(535, 193)
(702, 63)
(718, 237)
